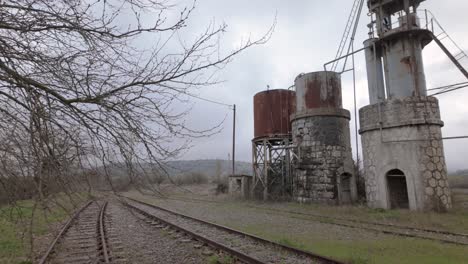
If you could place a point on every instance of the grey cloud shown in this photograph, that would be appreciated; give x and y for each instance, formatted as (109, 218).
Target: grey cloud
(306, 36)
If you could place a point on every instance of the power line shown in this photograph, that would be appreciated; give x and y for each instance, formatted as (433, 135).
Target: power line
(208, 100)
(447, 86)
(450, 90)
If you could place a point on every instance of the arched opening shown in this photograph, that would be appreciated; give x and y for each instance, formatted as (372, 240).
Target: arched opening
(397, 189)
(345, 188)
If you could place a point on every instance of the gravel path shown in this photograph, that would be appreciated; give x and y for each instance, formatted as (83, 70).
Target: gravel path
(366, 226)
(146, 244)
(259, 221)
(261, 251)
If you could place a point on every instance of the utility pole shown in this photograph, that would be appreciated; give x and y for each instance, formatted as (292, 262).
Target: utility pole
(234, 140)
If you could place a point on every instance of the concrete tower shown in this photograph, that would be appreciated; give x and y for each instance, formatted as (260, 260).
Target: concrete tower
(403, 152)
(320, 130)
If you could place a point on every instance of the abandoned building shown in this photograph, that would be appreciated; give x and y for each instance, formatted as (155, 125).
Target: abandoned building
(403, 152)
(323, 171)
(239, 185)
(301, 149)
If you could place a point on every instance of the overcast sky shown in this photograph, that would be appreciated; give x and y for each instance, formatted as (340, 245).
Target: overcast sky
(306, 36)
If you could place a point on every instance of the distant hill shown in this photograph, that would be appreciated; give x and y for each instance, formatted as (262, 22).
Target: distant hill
(208, 167)
(459, 173)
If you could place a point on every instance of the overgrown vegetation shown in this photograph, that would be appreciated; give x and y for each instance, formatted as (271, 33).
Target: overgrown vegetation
(190, 178)
(215, 259)
(351, 246)
(16, 225)
(82, 95)
(289, 243)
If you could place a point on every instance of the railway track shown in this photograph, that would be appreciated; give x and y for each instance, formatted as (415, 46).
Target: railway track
(385, 228)
(82, 239)
(244, 247)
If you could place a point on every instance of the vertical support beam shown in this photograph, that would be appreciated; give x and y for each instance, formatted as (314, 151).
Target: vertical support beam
(254, 170)
(234, 141)
(265, 170)
(288, 165)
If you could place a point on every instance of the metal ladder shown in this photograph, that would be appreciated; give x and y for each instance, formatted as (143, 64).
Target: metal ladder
(455, 57)
(355, 12)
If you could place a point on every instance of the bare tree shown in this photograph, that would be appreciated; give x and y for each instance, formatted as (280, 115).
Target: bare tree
(79, 90)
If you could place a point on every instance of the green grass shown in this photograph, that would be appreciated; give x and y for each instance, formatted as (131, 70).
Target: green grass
(455, 221)
(215, 259)
(389, 250)
(14, 227)
(375, 249)
(290, 243)
(10, 244)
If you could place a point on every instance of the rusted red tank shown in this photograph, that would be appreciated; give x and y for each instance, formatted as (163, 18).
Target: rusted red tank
(318, 90)
(272, 111)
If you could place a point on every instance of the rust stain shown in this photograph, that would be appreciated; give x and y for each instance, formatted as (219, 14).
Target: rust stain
(272, 111)
(319, 94)
(407, 62)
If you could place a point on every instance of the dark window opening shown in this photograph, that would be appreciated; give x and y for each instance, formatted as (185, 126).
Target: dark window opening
(239, 183)
(397, 189)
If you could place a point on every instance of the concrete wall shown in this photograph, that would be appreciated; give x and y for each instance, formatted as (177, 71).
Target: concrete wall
(241, 190)
(409, 140)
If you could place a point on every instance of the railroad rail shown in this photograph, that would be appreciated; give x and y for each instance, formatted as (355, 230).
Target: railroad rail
(294, 255)
(385, 228)
(88, 228)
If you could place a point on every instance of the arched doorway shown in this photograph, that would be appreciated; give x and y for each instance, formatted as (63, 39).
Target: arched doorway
(397, 189)
(345, 188)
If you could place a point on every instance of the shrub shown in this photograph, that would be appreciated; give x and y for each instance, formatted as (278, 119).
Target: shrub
(191, 178)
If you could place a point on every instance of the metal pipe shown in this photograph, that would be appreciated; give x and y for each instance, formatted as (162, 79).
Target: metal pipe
(288, 147)
(355, 105)
(342, 57)
(427, 21)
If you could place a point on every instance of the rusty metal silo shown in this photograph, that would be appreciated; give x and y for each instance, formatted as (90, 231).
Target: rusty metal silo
(321, 136)
(318, 90)
(270, 146)
(272, 111)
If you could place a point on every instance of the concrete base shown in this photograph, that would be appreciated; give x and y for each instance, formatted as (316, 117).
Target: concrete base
(408, 141)
(324, 172)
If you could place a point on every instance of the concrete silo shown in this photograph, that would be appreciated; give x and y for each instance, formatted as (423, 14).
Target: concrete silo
(324, 169)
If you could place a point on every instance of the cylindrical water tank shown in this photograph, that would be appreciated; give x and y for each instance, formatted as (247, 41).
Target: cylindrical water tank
(318, 90)
(320, 132)
(272, 111)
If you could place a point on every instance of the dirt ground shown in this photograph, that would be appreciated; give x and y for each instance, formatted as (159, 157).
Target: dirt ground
(349, 244)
